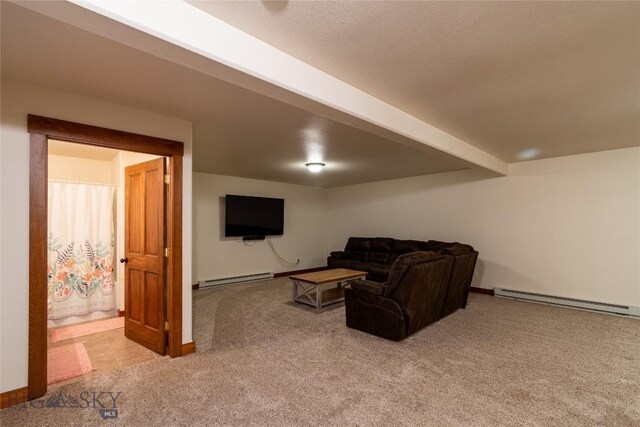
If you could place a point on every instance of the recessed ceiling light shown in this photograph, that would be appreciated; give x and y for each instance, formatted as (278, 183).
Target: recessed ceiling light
(315, 166)
(529, 154)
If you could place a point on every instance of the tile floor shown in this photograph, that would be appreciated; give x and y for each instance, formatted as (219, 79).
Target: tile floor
(108, 352)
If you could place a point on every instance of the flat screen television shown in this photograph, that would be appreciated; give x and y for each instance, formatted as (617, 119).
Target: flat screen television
(253, 217)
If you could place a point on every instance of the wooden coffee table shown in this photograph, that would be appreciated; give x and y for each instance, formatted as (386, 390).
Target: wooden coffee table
(322, 288)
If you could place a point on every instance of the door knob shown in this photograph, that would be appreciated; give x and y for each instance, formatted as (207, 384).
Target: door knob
(124, 260)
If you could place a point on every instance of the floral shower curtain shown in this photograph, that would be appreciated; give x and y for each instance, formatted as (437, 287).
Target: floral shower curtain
(81, 249)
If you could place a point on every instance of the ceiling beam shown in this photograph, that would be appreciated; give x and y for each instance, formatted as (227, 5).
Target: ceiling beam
(249, 62)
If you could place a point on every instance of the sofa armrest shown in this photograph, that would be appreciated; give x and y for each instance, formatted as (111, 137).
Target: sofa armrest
(369, 286)
(339, 254)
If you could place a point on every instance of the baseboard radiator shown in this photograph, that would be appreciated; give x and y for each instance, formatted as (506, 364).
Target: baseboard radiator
(569, 302)
(234, 279)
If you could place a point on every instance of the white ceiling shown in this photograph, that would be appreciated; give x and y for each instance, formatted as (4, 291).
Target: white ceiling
(236, 132)
(68, 149)
(511, 78)
(517, 79)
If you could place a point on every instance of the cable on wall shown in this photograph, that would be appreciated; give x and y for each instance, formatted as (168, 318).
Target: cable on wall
(247, 242)
(281, 260)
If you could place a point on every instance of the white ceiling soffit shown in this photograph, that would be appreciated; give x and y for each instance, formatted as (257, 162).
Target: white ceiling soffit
(236, 131)
(274, 73)
(519, 80)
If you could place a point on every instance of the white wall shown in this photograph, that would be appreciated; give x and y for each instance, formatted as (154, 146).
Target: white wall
(19, 99)
(304, 230)
(65, 168)
(567, 226)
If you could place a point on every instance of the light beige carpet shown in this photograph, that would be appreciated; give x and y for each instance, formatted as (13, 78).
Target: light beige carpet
(263, 361)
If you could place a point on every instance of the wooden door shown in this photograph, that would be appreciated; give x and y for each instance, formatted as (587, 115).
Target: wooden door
(144, 277)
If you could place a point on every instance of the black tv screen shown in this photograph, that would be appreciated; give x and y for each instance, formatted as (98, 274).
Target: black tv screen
(253, 216)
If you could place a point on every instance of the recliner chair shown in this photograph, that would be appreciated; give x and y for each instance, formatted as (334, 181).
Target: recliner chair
(413, 297)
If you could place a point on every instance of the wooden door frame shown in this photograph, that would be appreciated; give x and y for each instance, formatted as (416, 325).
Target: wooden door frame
(41, 129)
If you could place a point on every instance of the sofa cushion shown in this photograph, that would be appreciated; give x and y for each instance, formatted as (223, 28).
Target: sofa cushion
(360, 266)
(379, 272)
(378, 257)
(339, 263)
(401, 247)
(358, 244)
(436, 245)
(381, 244)
(457, 249)
(358, 248)
(404, 263)
(338, 254)
(370, 286)
(358, 255)
(380, 249)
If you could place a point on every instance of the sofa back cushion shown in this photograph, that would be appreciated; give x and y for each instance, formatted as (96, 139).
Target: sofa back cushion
(402, 265)
(380, 249)
(358, 244)
(382, 244)
(436, 245)
(358, 248)
(457, 249)
(378, 257)
(401, 247)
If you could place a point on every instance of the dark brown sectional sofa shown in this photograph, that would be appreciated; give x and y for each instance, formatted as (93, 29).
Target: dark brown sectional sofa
(410, 283)
(376, 255)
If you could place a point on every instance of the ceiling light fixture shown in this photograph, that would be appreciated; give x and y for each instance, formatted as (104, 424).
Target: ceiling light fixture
(529, 154)
(315, 166)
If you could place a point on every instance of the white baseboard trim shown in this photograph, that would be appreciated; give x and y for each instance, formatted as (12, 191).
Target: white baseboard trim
(235, 279)
(601, 307)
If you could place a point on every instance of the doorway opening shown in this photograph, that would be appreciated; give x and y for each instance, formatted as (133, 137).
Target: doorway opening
(153, 253)
(88, 198)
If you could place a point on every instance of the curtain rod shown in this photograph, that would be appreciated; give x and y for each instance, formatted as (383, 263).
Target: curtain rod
(83, 183)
